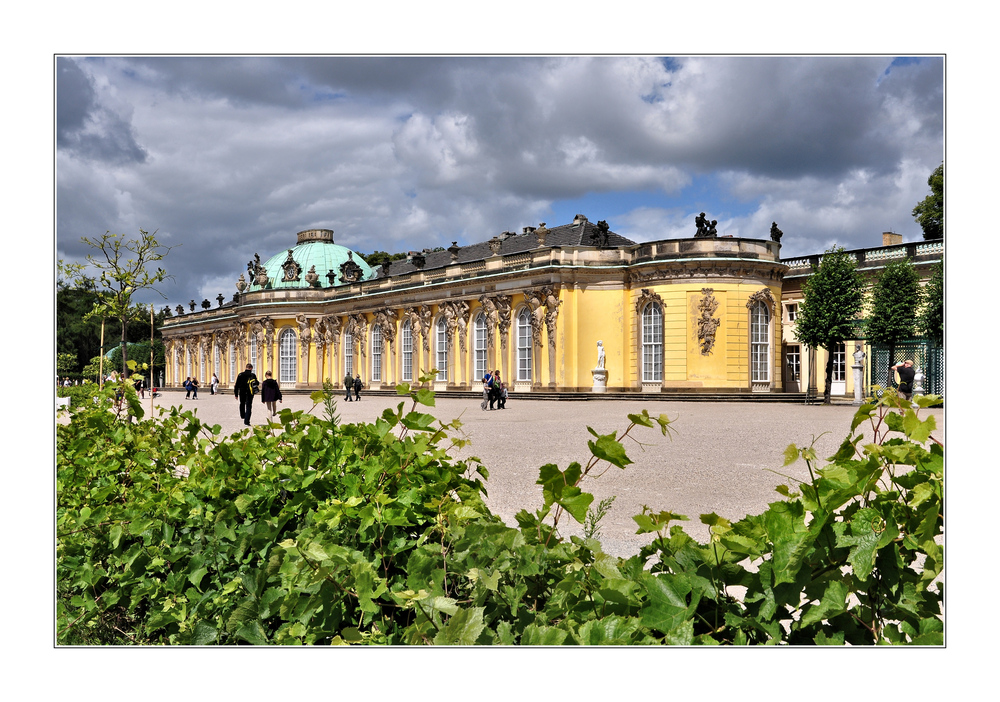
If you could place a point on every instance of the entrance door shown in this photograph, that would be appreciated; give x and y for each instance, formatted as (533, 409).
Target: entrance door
(839, 384)
(793, 368)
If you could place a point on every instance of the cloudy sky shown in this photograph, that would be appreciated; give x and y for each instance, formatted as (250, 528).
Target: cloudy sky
(227, 157)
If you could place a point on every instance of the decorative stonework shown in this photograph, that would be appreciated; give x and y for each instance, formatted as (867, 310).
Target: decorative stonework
(490, 309)
(361, 327)
(312, 276)
(503, 305)
(241, 285)
(495, 243)
(425, 327)
(646, 296)
(541, 233)
(305, 336)
(385, 320)
(350, 271)
(536, 300)
(462, 316)
(552, 302)
(291, 268)
(707, 325)
(763, 295)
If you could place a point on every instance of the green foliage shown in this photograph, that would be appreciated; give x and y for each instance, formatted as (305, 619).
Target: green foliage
(138, 351)
(310, 531)
(895, 299)
(931, 323)
(929, 212)
(125, 269)
(832, 301)
(65, 363)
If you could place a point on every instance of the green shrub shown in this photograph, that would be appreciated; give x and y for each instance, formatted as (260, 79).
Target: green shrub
(309, 531)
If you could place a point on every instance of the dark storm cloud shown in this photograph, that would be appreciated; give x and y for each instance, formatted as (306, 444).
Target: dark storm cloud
(399, 153)
(86, 126)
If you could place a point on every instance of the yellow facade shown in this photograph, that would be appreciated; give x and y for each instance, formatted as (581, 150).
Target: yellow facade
(673, 316)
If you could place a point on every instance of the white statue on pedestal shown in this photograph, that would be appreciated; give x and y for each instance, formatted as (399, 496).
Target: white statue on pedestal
(600, 354)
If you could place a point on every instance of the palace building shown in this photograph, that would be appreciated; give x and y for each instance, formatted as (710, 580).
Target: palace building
(702, 314)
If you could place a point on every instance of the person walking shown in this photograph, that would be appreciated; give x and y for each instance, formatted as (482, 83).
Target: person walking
(187, 386)
(243, 388)
(270, 392)
(495, 388)
(357, 388)
(348, 384)
(487, 389)
(215, 383)
(906, 374)
(139, 389)
(502, 398)
(194, 388)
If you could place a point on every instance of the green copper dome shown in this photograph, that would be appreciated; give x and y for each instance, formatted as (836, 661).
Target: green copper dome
(315, 254)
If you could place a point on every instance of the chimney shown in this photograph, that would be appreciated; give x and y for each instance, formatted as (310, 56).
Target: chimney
(891, 239)
(579, 219)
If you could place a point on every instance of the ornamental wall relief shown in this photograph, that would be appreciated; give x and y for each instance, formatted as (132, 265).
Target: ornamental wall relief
(707, 325)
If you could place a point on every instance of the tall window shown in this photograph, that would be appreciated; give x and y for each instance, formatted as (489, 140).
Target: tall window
(232, 362)
(377, 354)
(652, 344)
(760, 346)
(187, 362)
(287, 364)
(406, 350)
(479, 345)
(442, 349)
(253, 351)
(348, 355)
(524, 345)
(839, 362)
(217, 364)
(201, 365)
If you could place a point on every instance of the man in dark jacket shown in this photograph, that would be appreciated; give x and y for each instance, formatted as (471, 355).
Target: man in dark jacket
(906, 374)
(348, 384)
(357, 388)
(241, 388)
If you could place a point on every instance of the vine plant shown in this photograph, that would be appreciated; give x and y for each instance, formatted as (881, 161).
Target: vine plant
(310, 531)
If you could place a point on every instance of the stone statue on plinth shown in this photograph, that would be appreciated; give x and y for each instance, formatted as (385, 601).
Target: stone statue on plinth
(599, 373)
(859, 361)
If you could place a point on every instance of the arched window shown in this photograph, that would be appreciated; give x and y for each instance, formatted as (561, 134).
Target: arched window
(652, 344)
(348, 355)
(253, 351)
(479, 345)
(201, 365)
(377, 354)
(232, 362)
(217, 361)
(760, 343)
(406, 350)
(524, 345)
(442, 349)
(287, 364)
(187, 362)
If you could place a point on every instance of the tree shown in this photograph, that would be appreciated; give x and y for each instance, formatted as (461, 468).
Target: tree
(832, 300)
(896, 296)
(122, 275)
(931, 323)
(929, 212)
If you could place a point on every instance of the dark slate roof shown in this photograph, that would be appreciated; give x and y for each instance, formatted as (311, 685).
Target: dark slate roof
(564, 235)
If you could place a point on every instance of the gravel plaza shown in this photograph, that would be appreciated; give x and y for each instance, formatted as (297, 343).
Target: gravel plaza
(723, 457)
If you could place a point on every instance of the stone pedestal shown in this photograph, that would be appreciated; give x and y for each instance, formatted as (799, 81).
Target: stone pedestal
(857, 368)
(600, 380)
(918, 381)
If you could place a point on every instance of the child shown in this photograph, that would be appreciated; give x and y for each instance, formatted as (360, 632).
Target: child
(503, 396)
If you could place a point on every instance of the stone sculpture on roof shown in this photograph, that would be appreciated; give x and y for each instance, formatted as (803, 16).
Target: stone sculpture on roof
(705, 229)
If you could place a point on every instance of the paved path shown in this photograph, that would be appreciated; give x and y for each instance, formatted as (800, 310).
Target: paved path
(724, 458)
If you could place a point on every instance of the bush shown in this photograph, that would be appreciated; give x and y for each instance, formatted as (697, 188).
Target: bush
(310, 531)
